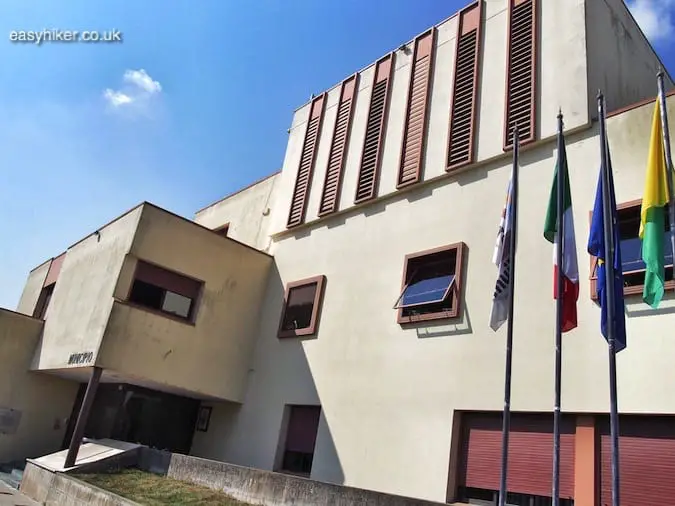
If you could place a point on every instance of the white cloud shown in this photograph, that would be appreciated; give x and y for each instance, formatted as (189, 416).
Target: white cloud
(655, 17)
(117, 98)
(138, 89)
(141, 79)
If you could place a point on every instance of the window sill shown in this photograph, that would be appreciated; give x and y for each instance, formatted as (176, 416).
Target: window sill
(444, 315)
(286, 334)
(628, 291)
(157, 312)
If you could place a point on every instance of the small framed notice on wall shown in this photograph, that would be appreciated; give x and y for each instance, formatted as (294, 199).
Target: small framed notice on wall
(203, 418)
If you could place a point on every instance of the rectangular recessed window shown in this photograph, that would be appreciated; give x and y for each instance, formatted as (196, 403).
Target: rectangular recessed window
(165, 291)
(302, 303)
(461, 143)
(303, 425)
(414, 136)
(431, 285)
(310, 145)
(332, 185)
(369, 171)
(631, 252)
(43, 301)
(521, 72)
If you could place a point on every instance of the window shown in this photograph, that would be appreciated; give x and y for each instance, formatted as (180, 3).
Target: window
(303, 424)
(521, 72)
(165, 291)
(300, 316)
(303, 180)
(631, 252)
(43, 301)
(431, 285)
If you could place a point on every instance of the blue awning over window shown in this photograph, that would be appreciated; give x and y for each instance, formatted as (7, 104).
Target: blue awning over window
(426, 291)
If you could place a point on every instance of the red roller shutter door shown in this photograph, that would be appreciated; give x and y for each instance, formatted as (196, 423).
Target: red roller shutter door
(646, 459)
(530, 453)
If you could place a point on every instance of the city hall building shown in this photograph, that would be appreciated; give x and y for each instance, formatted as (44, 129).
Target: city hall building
(268, 330)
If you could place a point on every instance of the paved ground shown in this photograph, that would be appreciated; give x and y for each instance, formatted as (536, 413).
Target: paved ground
(12, 497)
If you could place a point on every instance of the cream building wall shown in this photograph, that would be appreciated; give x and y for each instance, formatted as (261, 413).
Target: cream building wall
(210, 358)
(389, 393)
(246, 212)
(32, 289)
(42, 424)
(83, 295)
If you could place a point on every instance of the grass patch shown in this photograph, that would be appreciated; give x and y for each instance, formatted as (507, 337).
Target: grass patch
(151, 489)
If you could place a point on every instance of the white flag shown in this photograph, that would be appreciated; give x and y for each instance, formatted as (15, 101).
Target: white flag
(502, 259)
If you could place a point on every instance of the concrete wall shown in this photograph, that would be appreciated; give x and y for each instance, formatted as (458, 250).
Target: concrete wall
(388, 393)
(260, 487)
(44, 401)
(211, 357)
(83, 295)
(55, 489)
(561, 40)
(246, 211)
(32, 289)
(621, 61)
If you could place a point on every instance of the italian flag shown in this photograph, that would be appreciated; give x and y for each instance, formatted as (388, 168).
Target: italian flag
(568, 264)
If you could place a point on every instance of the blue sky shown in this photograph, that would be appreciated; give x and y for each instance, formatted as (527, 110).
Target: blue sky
(193, 104)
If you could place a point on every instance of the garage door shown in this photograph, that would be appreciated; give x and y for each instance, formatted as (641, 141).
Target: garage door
(646, 457)
(530, 453)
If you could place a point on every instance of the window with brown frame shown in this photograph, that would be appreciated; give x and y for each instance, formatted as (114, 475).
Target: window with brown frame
(310, 146)
(521, 72)
(165, 291)
(303, 426)
(463, 111)
(302, 306)
(631, 252)
(43, 301)
(431, 285)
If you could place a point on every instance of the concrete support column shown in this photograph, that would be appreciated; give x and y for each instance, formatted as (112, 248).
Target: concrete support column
(585, 476)
(82, 417)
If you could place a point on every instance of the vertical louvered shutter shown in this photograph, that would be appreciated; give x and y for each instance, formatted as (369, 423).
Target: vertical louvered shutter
(330, 196)
(366, 185)
(414, 137)
(461, 142)
(521, 71)
(303, 181)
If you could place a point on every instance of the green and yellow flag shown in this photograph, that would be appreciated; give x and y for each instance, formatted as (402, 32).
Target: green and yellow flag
(653, 214)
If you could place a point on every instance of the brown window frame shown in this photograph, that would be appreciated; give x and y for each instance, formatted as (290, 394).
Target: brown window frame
(461, 33)
(301, 191)
(337, 158)
(508, 138)
(385, 76)
(455, 311)
(627, 290)
(408, 131)
(316, 307)
(196, 299)
(44, 300)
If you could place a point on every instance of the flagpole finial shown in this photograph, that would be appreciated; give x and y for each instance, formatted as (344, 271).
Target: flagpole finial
(660, 72)
(560, 114)
(599, 96)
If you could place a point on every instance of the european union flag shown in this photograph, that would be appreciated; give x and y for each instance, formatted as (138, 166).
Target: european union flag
(597, 248)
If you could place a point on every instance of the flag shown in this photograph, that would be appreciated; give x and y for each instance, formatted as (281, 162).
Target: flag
(597, 248)
(502, 259)
(653, 214)
(570, 267)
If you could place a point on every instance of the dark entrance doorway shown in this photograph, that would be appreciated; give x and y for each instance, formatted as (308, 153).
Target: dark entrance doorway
(138, 415)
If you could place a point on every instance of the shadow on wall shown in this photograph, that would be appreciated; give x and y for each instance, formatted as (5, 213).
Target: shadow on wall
(257, 433)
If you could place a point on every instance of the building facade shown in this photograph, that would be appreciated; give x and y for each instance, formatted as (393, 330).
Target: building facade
(269, 321)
